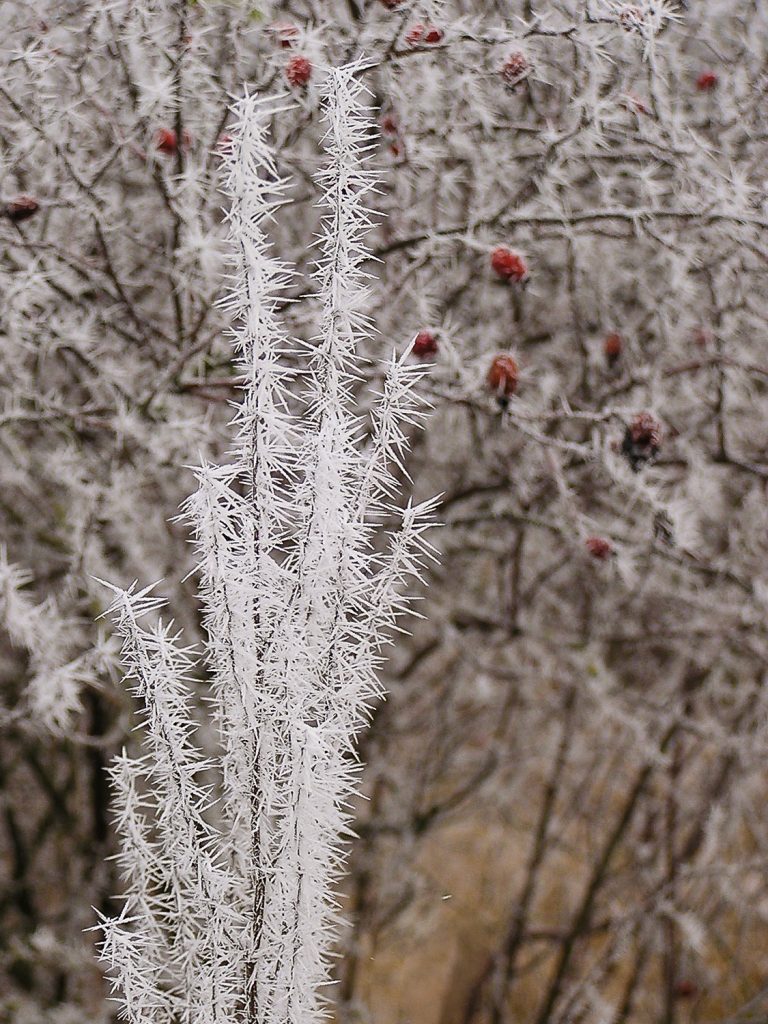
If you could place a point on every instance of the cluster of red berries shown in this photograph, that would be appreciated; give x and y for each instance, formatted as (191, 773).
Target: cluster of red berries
(423, 34)
(21, 208)
(167, 141)
(642, 440)
(504, 373)
(509, 265)
(298, 72)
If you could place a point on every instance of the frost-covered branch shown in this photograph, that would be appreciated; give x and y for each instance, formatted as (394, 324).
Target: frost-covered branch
(236, 901)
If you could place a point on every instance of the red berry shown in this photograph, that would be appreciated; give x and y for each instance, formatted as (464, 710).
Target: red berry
(425, 344)
(599, 548)
(685, 988)
(389, 126)
(509, 265)
(612, 347)
(420, 33)
(285, 34)
(21, 208)
(642, 440)
(391, 5)
(166, 141)
(503, 377)
(298, 72)
(706, 81)
(514, 68)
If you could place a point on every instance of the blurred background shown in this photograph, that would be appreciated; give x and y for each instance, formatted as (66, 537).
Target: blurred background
(564, 800)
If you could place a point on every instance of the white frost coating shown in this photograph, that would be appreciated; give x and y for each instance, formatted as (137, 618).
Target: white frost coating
(235, 922)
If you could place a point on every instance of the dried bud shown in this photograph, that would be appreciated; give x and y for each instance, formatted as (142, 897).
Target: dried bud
(631, 18)
(391, 5)
(298, 72)
(285, 34)
(425, 344)
(224, 143)
(515, 67)
(635, 104)
(503, 377)
(415, 34)
(642, 440)
(509, 265)
(21, 208)
(599, 548)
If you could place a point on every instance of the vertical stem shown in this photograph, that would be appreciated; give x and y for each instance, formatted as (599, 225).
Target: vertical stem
(583, 915)
(514, 583)
(630, 991)
(178, 89)
(669, 1012)
(717, 324)
(576, 317)
(516, 932)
